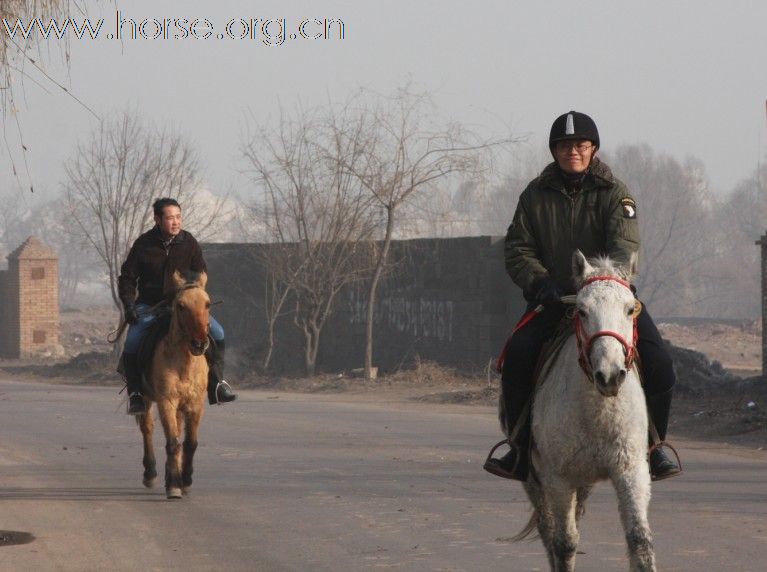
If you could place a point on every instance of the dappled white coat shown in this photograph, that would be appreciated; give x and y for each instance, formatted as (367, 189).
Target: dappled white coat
(580, 433)
(585, 431)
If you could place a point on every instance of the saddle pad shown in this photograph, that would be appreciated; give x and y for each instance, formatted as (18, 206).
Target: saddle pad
(156, 331)
(552, 347)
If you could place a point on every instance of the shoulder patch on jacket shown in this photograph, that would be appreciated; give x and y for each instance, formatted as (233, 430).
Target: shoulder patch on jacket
(629, 208)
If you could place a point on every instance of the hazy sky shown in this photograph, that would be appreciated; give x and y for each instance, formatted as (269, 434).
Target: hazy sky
(687, 77)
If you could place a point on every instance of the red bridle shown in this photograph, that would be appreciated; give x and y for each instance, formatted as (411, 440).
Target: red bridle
(585, 342)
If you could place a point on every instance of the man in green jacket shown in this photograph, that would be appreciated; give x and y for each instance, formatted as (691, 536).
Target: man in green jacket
(575, 203)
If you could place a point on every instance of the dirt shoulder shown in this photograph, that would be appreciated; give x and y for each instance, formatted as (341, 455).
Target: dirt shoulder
(710, 404)
(714, 399)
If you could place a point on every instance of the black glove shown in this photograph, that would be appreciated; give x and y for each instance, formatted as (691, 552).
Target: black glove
(547, 292)
(131, 315)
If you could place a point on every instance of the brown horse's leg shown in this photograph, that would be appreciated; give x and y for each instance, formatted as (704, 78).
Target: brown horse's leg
(190, 446)
(172, 449)
(146, 423)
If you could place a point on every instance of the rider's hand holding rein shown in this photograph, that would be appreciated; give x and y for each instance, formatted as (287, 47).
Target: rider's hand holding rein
(131, 314)
(547, 292)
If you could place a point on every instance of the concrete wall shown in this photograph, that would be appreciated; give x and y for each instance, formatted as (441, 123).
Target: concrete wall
(449, 300)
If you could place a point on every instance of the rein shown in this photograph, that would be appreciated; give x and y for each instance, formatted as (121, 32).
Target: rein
(585, 342)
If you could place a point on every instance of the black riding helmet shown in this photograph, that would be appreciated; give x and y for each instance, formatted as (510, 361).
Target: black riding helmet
(573, 125)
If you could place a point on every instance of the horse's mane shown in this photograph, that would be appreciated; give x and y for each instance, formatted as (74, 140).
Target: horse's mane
(605, 266)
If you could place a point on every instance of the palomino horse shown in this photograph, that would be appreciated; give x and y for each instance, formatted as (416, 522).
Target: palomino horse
(589, 421)
(177, 383)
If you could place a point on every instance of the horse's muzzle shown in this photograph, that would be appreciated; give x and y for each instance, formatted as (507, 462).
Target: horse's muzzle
(198, 347)
(608, 386)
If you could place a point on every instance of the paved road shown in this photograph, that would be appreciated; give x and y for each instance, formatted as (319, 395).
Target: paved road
(297, 482)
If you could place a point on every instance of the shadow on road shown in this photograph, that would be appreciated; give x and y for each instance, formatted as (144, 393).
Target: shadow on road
(80, 494)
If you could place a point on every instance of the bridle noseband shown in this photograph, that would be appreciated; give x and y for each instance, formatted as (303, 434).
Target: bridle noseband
(585, 342)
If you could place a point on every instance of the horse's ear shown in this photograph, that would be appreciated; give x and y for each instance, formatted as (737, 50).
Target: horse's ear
(633, 265)
(202, 280)
(581, 266)
(178, 280)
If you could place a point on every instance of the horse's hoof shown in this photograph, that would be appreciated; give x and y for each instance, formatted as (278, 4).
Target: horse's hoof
(173, 493)
(185, 490)
(149, 477)
(149, 482)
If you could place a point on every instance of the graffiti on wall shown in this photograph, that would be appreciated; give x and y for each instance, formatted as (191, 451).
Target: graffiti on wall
(419, 317)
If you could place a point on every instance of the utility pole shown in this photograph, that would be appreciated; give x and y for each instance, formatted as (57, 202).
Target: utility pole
(762, 243)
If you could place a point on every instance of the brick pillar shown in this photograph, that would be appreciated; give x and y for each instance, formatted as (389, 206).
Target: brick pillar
(31, 318)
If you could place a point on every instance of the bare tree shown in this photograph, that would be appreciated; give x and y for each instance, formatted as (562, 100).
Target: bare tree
(317, 214)
(474, 207)
(272, 258)
(113, 179)
(735, 264)
(77, 263)
(22, 216)
(23, 48)
(675, 212)
(16, 49)
(13, 221)
(405, 151)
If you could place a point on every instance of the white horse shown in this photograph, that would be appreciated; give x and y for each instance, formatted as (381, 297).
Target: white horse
(589, 421)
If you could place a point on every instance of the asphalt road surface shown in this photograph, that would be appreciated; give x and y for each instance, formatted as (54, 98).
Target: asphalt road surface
(308, 482)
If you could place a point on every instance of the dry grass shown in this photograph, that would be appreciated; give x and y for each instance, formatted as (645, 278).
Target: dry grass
(427, 373)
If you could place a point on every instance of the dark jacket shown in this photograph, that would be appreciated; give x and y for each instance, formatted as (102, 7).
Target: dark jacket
(150, 266)
(550, 223)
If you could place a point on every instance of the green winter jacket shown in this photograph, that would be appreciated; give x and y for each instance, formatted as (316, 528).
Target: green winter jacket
(549, 225)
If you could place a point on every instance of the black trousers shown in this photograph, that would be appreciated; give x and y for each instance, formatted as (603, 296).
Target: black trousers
(525, 345)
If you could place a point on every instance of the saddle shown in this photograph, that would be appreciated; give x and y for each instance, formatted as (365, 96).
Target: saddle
(548, 354)
(156, 331)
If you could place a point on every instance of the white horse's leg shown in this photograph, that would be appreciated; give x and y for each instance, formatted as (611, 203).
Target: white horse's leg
(633, 488)
(561, 498)
(580, 502)
(544, 521)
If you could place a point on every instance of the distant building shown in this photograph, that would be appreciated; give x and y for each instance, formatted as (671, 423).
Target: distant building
(29, 302)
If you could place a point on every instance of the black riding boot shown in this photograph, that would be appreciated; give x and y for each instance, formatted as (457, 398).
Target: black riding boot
(219, 390)
(659, 408)
(515, 463)
(136, 403)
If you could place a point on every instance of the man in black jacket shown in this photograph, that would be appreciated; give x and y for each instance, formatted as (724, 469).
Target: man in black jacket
(146, 281)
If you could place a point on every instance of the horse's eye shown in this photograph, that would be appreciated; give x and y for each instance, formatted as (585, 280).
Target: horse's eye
(631, 311)
(207, 305)
(181, 307)
(582, 313)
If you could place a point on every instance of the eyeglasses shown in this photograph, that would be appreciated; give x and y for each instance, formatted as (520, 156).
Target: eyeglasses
(581, 147)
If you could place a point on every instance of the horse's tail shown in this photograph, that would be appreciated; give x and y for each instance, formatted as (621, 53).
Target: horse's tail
(531, 528)
(534, 493)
